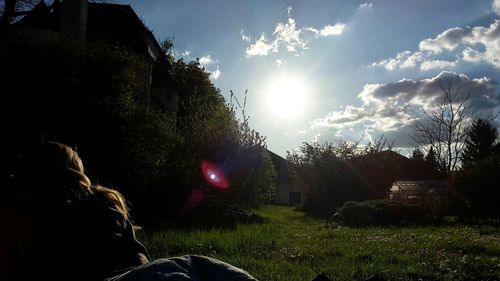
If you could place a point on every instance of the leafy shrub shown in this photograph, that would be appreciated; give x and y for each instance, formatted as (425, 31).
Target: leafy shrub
(379, 213)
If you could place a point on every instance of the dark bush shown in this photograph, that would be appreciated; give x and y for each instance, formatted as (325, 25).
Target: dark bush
(478, 188)
(380, 213)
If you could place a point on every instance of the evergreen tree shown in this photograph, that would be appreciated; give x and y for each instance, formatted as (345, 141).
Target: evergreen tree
(431, 159)
(480, 142)
(433, 167)
(418, 156)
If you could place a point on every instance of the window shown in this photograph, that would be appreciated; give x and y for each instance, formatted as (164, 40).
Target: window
(413, 198)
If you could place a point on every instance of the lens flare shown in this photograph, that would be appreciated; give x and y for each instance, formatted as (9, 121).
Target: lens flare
(213, 175)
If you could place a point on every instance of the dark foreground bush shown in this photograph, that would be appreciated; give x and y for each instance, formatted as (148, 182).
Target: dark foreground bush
(379, 213)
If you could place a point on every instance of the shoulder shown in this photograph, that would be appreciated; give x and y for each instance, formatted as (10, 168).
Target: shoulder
(99, 214)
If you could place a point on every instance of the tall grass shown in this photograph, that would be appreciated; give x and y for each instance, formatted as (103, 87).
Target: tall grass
(289, 245)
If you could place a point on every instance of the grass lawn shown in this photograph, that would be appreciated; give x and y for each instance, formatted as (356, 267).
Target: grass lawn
(289, 245)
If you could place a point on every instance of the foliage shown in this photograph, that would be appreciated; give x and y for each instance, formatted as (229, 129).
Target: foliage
(337, 173)
(480, 142)
(417, 155)
(215, 134)
(426, 165)
(329, 179)
(380, 213)
(291, 245)
(476, 183)
(247, 163)
(478, 186)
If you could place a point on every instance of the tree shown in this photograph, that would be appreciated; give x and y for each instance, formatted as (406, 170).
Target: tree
(432, 167)
(336, 173)
(431, 159)
(480, 142)
(330, 179)
(417, 155)
(444, 127)
(478, 186)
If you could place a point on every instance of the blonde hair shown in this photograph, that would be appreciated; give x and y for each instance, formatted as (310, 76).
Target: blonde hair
(56, 170)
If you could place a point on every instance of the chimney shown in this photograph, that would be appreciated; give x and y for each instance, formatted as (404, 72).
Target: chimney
(74, 19)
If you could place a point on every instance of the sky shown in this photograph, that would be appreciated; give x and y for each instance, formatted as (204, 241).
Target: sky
(325, 70)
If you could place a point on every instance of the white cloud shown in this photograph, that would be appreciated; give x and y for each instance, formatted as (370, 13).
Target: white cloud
(245, 37)
(207, 60)
(389, 107)
(280, 62)
(365, 6)
(216, 74)
(328, 30)
(496, 7)
(336, 29)
(473, 44)
(412, 60)
(433, 64)
(186, 53)
(405, 59)
(471, 55)
(261, 47)
(447, 40)
(288, 36)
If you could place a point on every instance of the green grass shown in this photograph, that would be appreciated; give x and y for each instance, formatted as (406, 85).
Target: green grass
(289, 245)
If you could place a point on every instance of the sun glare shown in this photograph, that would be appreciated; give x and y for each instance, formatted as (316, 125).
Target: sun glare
(287, 96)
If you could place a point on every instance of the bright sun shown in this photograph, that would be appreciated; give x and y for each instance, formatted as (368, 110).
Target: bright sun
(287, 96)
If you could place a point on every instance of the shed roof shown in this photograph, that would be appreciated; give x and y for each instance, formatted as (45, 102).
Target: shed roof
(420, 185)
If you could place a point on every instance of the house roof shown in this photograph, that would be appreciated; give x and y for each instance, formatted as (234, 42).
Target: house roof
(420, 185)
(383, 155)
(115, 23)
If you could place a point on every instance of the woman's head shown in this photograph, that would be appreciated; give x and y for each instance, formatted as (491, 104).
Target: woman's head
(52, 172)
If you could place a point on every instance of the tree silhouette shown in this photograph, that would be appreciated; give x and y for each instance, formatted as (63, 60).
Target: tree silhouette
(444, 127)
(417, 155)
(480, 142)
(432, 166)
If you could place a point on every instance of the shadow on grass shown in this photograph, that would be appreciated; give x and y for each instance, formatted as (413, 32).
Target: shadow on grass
(208, 221)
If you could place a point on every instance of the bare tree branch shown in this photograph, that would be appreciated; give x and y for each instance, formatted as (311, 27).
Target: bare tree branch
(445, 125)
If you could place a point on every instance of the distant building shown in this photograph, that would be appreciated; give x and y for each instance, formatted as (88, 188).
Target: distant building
(419, 192)
(114, 24)
(289, 187)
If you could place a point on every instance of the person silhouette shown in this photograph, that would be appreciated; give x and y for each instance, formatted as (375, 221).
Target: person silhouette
(60, 226)
(63, 227)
